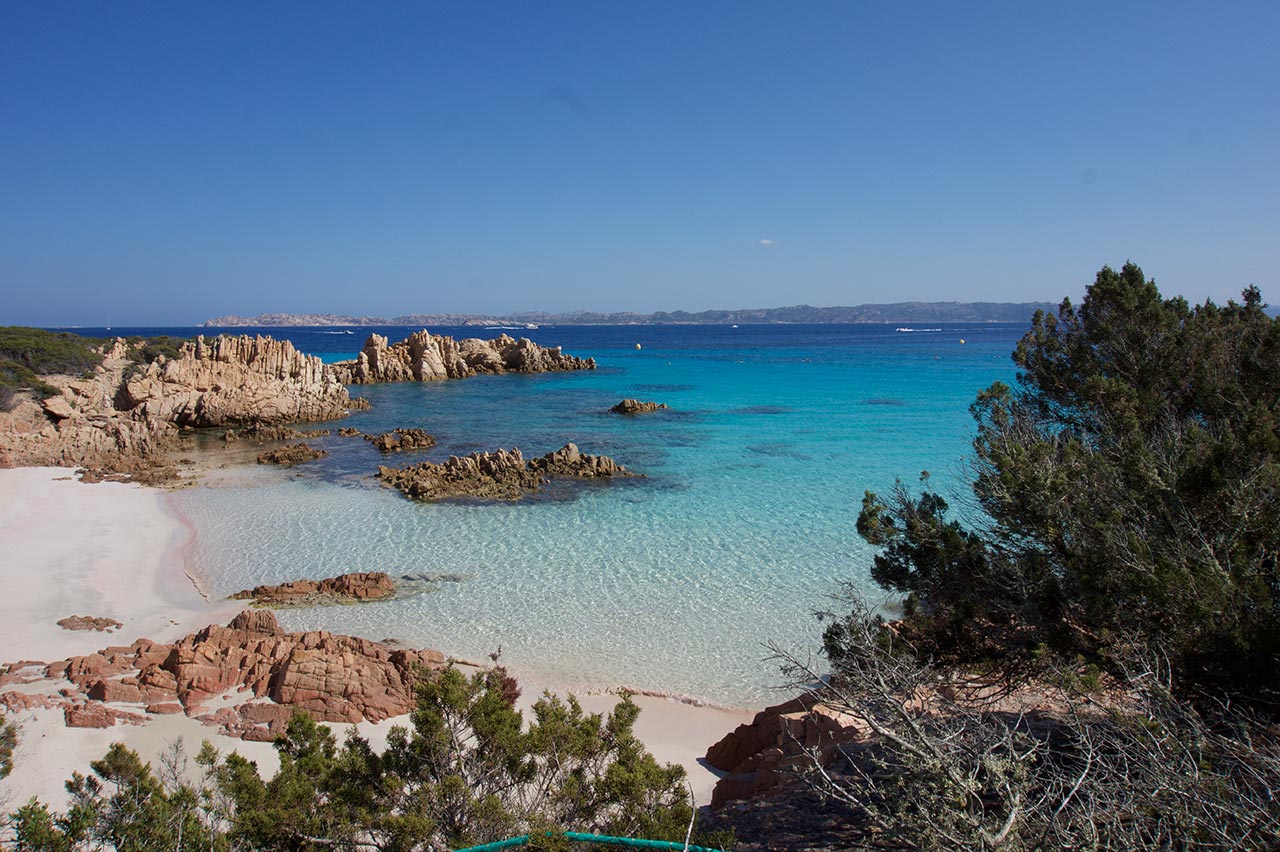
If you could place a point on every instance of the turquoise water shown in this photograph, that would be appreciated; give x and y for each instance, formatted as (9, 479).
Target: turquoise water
(741, 528)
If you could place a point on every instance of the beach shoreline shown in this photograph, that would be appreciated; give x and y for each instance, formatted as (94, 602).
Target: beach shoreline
(126, 552)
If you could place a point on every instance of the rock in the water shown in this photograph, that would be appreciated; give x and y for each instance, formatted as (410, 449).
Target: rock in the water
(346, 588)
(88, 622)
(348, 432)
(401, 439)
(291, 455)
(424, 357)
(635, 406)
(497, 475)
(260, 432)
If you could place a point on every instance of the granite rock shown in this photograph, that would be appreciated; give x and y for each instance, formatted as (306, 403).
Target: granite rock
(635, 406)
(424, 357)
(497, 475)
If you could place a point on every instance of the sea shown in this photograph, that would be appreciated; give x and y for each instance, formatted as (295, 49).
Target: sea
(681, 581)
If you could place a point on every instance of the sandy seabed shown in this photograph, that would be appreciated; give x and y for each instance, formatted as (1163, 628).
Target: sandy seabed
(120, 551)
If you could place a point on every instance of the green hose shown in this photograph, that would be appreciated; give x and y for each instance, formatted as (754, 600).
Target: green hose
(635, 842)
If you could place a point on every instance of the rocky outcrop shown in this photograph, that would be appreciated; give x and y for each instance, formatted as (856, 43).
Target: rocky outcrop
(348, 432)
(346, 588)
(497, 475)
(124, 417)
(425, 357)
(290, 455)
(779, 742)
(635, 406)
(57, 433)
(398, 440)
(230, 380)
(88, 622)
(333, 678)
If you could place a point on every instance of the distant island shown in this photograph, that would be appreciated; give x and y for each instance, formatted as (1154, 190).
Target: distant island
(896, 312)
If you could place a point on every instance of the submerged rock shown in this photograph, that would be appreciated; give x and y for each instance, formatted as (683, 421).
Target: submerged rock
(291, 455)
(401, 439)
(635, 406)
(259, 432)
(497, 475)
(425, 357)
(345, 588)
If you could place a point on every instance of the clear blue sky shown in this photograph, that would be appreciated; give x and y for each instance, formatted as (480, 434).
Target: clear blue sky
(166, 162)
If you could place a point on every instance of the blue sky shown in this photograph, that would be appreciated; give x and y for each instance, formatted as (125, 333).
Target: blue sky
(163, 163)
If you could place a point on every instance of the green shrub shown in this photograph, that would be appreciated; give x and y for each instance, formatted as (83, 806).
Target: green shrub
(8, 739)
(49, 352)
(149, 349)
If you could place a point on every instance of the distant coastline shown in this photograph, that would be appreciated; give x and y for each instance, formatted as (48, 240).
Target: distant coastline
(895, 312)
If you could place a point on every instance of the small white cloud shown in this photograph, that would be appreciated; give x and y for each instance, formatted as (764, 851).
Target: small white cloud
(764, 243)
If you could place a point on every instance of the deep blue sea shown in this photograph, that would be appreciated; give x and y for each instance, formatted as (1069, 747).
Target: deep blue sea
(741, 528)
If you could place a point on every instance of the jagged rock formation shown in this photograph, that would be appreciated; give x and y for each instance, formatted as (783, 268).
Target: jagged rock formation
(635, 406)
(124, 417)
(345, 588)
(347, 432)
(401, 439)
(425, 357)
(497, 475)
(291, 455)
(230, 380)
(779, 743)
(88, 622)
(334, 678)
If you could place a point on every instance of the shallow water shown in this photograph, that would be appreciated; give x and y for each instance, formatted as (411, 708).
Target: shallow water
(742, 526)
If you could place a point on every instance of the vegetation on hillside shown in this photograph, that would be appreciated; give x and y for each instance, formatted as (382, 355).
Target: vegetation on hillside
(145, 350)
(468, 771)
(26, 354)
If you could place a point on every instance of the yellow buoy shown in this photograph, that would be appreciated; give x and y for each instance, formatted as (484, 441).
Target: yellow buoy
(637, 345)
(962, 340)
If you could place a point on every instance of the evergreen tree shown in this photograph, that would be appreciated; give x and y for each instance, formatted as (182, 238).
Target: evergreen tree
(1130, 484)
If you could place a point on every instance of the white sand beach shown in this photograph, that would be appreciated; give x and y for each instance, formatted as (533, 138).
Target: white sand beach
(116, 550)
(108, 549)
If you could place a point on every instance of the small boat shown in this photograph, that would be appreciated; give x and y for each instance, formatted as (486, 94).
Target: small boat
(637, 345)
